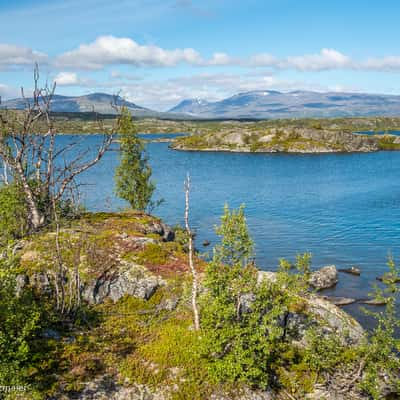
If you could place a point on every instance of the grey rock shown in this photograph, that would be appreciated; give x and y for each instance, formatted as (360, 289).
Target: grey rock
(245, 394)
(128, 279)
(41, 281)
(373, 302)
(324, 278)
(168, 304)
(315, 311)
(159, 228)
(339, 301)
(106, 388)
(21, 281)
(334, 319)
(352, 270)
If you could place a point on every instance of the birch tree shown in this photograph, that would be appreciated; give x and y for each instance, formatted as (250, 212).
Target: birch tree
(195, 279)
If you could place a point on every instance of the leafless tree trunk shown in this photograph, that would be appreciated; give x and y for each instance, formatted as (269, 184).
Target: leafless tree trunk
(4, 177)
(195, 281)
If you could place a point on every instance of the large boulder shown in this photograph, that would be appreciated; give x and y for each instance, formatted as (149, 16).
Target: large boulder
(161, 229)
(128, 279)
(324, 278)
(318, 312)
(333, 319)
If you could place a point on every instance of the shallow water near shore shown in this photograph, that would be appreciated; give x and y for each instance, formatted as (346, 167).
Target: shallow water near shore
(343, 208)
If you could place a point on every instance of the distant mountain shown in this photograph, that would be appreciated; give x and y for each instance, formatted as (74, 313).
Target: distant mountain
(191, 106)
(260, 104)
(297, 104)
(99, 102)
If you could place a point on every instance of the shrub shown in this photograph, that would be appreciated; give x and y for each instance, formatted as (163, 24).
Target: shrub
(19, 323)
(240, 318)
(13, 213)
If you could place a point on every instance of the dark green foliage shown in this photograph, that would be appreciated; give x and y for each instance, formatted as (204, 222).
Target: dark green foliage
(238, 344)
(132, 176)
(13, 213)
(19, 323)
(381, 353)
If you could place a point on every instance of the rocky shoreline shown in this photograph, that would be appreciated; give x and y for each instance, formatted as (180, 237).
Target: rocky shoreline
(287, 140)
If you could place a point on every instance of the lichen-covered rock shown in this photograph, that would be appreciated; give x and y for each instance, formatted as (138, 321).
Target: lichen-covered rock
(128, 279)
(41, 281)
(161, 229)
(324, 278)
(106, 388)
(21, 281)
(246, 394)
(315, 311)
(334, 319)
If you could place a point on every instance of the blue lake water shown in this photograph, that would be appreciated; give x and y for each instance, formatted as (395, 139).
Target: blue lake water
(343, 208)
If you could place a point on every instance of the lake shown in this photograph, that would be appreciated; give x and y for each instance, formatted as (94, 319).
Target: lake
(343, 208)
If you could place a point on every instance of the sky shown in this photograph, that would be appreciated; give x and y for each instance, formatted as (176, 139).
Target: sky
(157, 53)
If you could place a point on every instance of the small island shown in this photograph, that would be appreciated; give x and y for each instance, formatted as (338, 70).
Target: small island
(287, 139)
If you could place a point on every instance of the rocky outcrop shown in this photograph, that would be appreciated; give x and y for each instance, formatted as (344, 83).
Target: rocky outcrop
(324, 278)
(106, 388)
(115, 251)
(128, 279)
(287, 140)
(316, 311)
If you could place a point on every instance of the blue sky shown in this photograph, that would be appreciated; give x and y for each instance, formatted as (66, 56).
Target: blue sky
(160, 52)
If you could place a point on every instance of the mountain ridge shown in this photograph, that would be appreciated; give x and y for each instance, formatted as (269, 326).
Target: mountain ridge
(257, 105)
(266, 104)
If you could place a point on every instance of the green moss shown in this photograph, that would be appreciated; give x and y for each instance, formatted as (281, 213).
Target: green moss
(387, 143)
(153, 253)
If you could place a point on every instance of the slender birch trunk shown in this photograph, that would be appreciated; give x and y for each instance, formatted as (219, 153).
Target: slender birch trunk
(193, 271)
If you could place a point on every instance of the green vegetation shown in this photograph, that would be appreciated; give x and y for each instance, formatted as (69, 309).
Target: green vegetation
(94, 298)
(387, 142)
(239, 344)
(20, 318)
(242, 342)
(132, 176)
(13, 213)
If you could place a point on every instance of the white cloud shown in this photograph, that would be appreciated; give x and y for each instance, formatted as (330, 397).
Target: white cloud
(327, 59)
(108, 50)
(111, 50)
(222, 59)
(67, 79)
(11, 55)
(263, 60)
(390, 63)
(72, 79)
(7, 92)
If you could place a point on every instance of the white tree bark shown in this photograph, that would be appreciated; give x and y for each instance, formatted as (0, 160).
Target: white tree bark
(195, 280)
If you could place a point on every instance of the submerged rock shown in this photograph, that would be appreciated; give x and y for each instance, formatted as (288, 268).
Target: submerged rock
(352, 270)
(324, 278)
(339, 301)
(373, 302)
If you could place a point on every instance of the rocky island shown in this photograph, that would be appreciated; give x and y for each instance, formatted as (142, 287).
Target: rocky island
(291, 139)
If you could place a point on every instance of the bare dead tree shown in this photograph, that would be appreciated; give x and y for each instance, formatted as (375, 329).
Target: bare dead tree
(195, 280)
(4, 176)
(33, 159)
